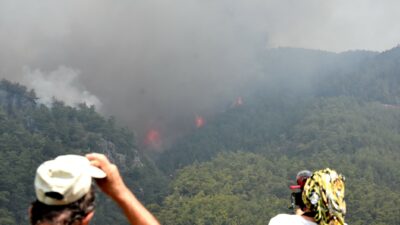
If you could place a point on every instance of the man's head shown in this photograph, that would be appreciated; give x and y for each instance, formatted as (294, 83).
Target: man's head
(63, 191)
(76, 213)
(296, 196)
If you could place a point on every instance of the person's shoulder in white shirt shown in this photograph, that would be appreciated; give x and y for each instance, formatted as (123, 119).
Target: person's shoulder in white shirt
(286, 219)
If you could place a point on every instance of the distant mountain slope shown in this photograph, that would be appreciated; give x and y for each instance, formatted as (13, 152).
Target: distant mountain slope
(374, 79)
(302, 70)
(279, 99)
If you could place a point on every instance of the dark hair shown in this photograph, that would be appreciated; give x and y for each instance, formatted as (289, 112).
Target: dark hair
(297, 200)
(62, 214)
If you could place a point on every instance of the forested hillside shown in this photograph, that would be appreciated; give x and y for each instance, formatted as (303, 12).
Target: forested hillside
(305, 110)
(31, 133)
(342, 113)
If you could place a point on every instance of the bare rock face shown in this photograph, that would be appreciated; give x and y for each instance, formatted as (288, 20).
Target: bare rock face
(110, 150)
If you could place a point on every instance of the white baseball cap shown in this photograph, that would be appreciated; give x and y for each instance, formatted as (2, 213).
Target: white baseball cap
(65, 179)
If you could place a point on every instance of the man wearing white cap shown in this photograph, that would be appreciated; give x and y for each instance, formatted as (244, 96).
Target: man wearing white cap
(65, 197)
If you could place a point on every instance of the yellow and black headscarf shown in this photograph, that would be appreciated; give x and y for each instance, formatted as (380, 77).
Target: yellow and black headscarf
(324, 194)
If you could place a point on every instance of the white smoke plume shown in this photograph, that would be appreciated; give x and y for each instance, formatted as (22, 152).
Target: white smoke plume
(61, 84)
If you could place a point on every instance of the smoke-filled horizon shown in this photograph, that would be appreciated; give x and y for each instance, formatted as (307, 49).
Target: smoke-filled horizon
(160, 64)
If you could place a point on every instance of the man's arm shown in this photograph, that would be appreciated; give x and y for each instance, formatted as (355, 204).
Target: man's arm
(114, 186)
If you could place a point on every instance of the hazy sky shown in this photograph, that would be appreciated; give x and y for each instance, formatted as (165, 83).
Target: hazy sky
(156, 63)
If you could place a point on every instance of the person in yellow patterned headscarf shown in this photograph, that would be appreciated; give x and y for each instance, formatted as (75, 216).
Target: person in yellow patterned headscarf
(323, 194)
(322, 201)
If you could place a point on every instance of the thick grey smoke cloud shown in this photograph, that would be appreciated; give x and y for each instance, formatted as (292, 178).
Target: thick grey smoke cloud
(61, 84)
(157, 64)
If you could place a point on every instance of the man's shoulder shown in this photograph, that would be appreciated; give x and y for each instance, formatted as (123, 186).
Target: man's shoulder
(286, 219)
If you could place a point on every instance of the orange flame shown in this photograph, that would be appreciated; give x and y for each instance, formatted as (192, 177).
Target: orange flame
(199, 121)
(153, 138)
